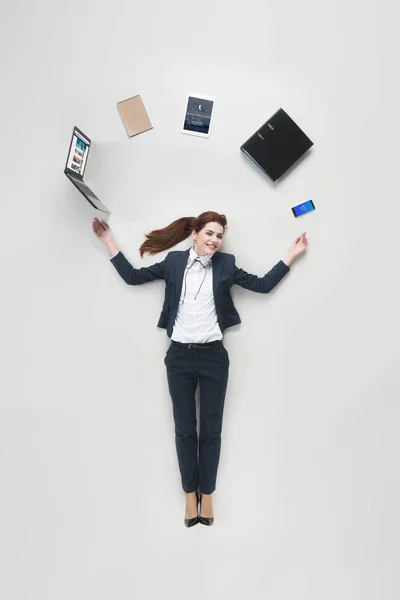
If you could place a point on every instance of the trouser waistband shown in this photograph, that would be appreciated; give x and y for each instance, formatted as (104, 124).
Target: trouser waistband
(214, 344)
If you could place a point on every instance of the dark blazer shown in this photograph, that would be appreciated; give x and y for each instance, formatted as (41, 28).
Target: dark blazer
(225, 274)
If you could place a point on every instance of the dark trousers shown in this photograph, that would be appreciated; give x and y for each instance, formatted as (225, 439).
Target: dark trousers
(188, 366)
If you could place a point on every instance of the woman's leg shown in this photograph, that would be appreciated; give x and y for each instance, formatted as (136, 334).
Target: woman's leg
(213, 374)
(182, 382)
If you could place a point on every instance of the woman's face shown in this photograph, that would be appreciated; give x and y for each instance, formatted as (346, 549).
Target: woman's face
(209, 239)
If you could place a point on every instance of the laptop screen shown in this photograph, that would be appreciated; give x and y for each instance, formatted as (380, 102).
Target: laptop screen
(78, 153)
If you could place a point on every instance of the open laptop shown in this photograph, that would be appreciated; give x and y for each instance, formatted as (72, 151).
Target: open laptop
(76, 165)
(277, 145)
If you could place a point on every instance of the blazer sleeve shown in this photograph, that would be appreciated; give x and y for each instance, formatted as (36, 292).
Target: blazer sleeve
(133, 276)
(260, 284)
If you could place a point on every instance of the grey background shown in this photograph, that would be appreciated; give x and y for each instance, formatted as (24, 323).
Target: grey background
(308, 491)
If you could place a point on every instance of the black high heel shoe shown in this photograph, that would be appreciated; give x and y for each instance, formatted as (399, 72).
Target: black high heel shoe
(205, 520)
(194, 520)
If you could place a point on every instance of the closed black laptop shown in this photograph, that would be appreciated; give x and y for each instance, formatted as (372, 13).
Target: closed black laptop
(277, 145)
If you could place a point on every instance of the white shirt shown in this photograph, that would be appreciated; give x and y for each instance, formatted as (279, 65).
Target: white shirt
(196, 320)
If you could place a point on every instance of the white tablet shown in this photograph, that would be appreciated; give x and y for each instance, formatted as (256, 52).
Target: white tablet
(198, 116)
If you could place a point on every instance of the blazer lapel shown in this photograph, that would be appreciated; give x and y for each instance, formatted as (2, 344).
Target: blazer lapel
(217, 262)
(180, 266)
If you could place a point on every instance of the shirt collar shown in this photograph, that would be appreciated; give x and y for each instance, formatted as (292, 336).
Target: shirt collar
(204, 259)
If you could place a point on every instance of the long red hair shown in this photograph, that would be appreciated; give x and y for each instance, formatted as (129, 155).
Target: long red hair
(177, 231)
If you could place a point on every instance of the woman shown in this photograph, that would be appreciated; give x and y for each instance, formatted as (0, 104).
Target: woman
(197, 309)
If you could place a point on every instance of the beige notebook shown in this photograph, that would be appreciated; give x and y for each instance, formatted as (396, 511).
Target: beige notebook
(134, 116)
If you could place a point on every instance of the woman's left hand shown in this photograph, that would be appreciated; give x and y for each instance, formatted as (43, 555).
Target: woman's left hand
(299, 245)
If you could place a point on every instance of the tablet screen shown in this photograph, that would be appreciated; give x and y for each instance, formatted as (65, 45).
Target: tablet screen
(198, 115)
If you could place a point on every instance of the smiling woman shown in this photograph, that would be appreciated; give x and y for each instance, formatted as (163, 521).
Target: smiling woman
(197, 309)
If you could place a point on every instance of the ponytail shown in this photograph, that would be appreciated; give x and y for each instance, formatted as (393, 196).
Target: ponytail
(177, 231)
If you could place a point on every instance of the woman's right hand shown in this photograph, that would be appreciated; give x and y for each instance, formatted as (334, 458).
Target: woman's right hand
(102, 231)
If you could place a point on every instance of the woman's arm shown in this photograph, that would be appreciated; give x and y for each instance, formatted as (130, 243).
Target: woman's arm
(267, 283)
(112, 247)
(263, 285)
(129, 274)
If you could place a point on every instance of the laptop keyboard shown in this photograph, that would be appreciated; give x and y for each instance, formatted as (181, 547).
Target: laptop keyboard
(84, 187)
(89, 193)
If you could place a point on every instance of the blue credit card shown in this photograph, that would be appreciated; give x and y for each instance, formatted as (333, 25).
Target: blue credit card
(302, 209)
